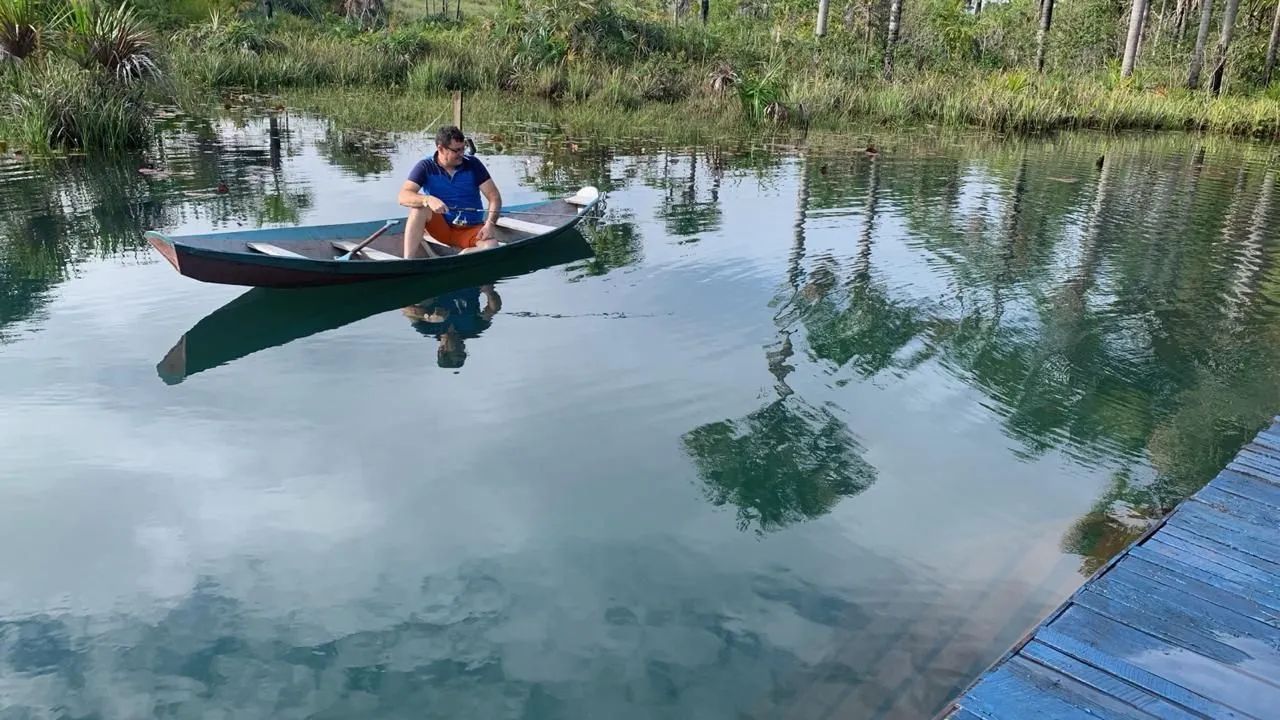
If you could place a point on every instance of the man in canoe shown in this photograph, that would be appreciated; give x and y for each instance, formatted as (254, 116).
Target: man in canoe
(443, 193)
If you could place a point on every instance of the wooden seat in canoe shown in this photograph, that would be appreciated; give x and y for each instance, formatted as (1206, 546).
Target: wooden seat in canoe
(371, 253)
(435, 248)
(269, 249)
(523, 226)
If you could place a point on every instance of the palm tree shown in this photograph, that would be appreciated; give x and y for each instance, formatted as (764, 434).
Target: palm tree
(1271, 48)
(1224, 44)
(895, 21)
(1046, 19)
(1137, 15)
(1202, 37)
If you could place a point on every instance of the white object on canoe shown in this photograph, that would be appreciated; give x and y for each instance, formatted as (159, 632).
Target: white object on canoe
(584, 196)
(524, 226)
(269, 249)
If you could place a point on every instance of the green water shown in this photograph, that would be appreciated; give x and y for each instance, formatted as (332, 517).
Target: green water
(811, 433)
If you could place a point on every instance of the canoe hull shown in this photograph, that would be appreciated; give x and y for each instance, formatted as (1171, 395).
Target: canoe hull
(224, 258)
(273, 272)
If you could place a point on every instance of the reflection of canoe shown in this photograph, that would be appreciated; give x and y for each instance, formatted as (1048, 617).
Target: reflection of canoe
(297, 256)
(263, 317)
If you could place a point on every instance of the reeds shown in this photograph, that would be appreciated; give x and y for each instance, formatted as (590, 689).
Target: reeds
(79, 74)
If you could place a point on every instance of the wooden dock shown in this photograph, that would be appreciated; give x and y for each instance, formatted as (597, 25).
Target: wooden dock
(1185, 623)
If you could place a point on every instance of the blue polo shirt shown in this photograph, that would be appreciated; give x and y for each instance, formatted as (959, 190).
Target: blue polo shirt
(462, 189)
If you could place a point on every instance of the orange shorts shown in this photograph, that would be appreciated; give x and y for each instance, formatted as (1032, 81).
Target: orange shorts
(459, 236)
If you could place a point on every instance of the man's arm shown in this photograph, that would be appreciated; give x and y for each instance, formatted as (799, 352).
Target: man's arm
(410, 197)
(494, 198)
(492, 304)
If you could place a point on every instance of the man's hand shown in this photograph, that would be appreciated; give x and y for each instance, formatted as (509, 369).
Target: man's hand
(486, 232)
(436, 204)
(492, 303)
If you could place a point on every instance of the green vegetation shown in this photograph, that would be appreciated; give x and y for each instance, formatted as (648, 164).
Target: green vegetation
(76, 74)
(948, 62)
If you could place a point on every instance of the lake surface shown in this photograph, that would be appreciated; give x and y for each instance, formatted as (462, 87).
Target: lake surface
(813, 433)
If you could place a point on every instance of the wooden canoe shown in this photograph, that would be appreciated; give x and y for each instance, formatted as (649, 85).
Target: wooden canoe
(308, 255)
(263, 318)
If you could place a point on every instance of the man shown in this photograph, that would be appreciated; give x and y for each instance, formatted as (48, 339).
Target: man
(443, 193)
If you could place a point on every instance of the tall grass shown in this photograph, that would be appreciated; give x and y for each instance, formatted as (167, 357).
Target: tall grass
(299, 61)
(993, 101)
(81, 84)
(60, 104)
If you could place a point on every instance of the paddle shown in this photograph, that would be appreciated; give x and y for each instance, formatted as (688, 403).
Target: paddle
(366, 241)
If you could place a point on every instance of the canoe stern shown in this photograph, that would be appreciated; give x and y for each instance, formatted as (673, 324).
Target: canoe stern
(164, 246)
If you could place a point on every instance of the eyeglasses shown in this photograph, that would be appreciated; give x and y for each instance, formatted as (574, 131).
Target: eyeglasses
(455, 150)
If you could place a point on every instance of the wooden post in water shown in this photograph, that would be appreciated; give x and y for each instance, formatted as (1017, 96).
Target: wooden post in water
(457, 108)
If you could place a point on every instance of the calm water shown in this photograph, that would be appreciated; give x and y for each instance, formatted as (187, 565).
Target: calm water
(813, 433)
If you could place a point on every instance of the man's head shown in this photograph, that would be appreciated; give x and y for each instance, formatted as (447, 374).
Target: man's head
(452, 352)
(451, 144)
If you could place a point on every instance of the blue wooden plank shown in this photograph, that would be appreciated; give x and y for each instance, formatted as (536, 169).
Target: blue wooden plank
(1241, 507)
(1272, 433)
(1261, 454)
(1209, 678)
(1242, 535)
(1105, 682)
(1115, 665)
(1002, 696)
(1257, 466)
(1154, 579)
(1240, 481)
(1263, 578)
(1266, 443)
(1266, 448)
(962, 714)
(1022, 689)
(1173, 633)
(1177, 565)
(1182, 619)
(1211, 542)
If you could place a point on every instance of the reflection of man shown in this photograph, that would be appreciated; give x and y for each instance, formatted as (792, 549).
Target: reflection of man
(443, 194)
(453, 318)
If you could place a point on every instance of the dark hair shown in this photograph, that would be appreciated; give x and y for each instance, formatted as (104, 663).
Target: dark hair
(449, 134)
(451, 358)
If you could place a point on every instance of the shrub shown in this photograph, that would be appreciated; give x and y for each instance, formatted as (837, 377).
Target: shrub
(62, 105)
(111, 39)
(23, 25)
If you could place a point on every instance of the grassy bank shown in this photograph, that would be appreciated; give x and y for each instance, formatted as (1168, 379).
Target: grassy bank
(614, 64)
(989, 103)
